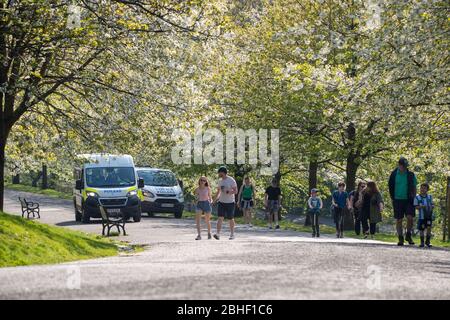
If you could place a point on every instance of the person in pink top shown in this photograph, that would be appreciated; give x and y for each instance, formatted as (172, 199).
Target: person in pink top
(203, 206)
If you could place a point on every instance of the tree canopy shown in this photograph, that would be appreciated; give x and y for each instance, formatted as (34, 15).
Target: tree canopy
(351, 85)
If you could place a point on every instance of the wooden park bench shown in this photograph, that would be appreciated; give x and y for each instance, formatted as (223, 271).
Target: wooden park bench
(29, 208)
(112, 220)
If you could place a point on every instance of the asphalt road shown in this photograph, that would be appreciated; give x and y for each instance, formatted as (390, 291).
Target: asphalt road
(258, 264)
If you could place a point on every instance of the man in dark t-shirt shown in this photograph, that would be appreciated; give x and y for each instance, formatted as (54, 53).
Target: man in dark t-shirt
(272, 202)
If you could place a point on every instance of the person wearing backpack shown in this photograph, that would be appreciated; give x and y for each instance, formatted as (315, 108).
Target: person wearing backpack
(354, 205)
(315, 205)
(424, 205)
(403, 190)
(246, 200)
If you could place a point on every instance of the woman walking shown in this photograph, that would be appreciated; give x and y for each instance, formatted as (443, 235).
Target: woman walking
(203, 206)
(371, 208)
(247, 200)
(354, 196)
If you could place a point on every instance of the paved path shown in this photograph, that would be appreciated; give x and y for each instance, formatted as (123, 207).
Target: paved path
(258, 264)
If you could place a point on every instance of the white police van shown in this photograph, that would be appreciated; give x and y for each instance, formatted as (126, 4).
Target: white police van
(162, 192)
(110, 181)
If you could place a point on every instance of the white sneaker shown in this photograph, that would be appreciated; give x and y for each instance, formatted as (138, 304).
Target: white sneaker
(250, 225)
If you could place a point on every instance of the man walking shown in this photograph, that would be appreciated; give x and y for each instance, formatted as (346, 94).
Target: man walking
(225, 196)
(402, 189)
(272, 202)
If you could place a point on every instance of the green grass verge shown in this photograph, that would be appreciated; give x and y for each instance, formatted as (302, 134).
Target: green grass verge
(24, 242)
(47, 192)
(326, 229)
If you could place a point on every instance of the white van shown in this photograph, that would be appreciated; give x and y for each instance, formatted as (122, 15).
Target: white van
(110, 181)
(162, 192)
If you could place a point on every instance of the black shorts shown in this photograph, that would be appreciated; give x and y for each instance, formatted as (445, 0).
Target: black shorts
(403, 208)
(226, 210)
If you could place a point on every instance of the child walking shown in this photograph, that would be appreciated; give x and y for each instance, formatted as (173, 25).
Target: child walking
(340, 201)
(315, 205)
(423, 203)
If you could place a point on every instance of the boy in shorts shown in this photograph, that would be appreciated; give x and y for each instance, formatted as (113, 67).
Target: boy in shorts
(424, 206)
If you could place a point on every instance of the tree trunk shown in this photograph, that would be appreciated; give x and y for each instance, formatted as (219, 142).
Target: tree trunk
(44, 177)
(16, 179)
(448, 208)
(351, 170)
(2, 169)
(35, 178)
(312, 183)
(350, 181)
(4, 132)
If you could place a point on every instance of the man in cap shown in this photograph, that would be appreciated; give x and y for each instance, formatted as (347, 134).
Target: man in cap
(402, 189)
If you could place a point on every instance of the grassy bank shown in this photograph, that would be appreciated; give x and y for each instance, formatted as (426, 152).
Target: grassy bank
(25, 242)
(326, 229)
(47, 192)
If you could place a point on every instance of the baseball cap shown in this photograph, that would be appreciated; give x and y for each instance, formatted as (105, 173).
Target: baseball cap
(402, 161)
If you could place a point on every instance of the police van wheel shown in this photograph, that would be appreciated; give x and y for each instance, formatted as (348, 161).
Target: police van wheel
(178, 214)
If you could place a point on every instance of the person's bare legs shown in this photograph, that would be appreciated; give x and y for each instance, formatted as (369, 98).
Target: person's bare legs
(249, 215)
(198, 217)
(409, 223)
(208, 222)
(275, 216)
(269, 212)
(399, 227)
(219, 225)
(428, 240)
(409, 229)
(232, 224)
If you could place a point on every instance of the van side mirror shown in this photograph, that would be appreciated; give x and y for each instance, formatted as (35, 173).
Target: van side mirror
(79, 184)
(141, 183)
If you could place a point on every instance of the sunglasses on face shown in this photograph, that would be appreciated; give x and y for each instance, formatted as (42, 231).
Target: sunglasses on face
(202, 180)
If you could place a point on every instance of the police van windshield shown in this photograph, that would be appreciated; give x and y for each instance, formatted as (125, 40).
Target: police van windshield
(158, 178)
(110, 177)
